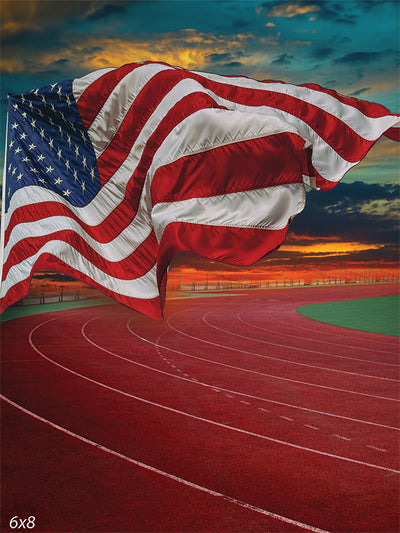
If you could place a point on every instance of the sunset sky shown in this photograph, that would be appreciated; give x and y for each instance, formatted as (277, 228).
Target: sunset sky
(349, 46)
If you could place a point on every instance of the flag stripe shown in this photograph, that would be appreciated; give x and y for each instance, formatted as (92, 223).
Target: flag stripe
(268, 208)
(250, 164)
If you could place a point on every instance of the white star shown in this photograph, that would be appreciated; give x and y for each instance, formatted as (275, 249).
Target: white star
(18, 150)
(41, 180)
(72, 126)
(59, 152)
(63, 116)
(24, 115)
(51, 141)
(69, 140)
(23, 136)
(36, 92)
(32, 146)
(41, 133)
(76, 150)
(59, 91)
(92, 173)
(75, 175)
(9, 167)
(84, 161)
(15, 106)
(83, 136)
(53, 86)
(25, 159)
(60, 130)
(22, 98)
(44, 99)
(33, 124)
(68, 100)
(11, 143)
(14, 171)
(34, 170)
(41, 157)
(51, 121)
(57, 181)
(66, 193)
(83, 186)
(14, 126)
(53, 108)
(9, 191)
(40, 112)
(31, 105)
(20, 176)
(67, 164)
(49, 169)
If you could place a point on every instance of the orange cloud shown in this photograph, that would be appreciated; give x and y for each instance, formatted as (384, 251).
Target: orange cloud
(292, 10)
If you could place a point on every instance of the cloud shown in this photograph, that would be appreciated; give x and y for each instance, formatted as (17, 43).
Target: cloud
(105, 11)
(322, 52)
(360, 91)
(283, 59)
(286, 9)
(361, 58)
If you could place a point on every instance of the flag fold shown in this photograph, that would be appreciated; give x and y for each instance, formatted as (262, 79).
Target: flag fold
(108, 176)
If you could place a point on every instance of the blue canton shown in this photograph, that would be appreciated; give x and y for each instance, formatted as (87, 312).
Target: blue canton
(48, 146)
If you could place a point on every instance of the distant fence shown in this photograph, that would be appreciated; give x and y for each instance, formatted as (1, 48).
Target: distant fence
(213, 281)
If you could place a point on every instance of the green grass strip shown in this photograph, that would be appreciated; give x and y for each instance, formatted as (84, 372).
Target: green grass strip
(16, 312)
(377, 315)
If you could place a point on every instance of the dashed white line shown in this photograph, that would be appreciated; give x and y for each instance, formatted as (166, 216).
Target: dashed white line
(376, 448)
(341, 437)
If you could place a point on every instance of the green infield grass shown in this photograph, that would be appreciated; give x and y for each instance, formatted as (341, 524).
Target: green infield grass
(377, 315)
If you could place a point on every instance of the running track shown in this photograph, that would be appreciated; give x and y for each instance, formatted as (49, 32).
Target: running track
(234, 414)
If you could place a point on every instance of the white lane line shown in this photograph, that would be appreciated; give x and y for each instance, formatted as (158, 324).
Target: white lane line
(291, 347)
(376, 448)
(222, 389)
(281, 378)
(270, 315)
(341, 437)
(312, 427)
(194, 417)
(324, 331)
(163, 473)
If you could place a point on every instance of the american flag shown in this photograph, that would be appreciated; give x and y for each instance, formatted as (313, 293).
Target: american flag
(108, 176)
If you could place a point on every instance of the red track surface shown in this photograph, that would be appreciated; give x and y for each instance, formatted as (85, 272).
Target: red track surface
(235, 414)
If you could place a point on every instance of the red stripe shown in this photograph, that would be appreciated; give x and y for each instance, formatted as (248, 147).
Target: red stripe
(95, 95)
(393, 133)
(236, 246)
(253, 164)
(135, 265)
(309, 170)
(151, 308)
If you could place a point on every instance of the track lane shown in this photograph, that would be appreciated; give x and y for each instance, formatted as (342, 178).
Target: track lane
(104, 368)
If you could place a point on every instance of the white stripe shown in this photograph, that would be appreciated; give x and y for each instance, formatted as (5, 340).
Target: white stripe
(268, 208)
(124, 244)
(367, 127)
(144, 287)
(209, 128)
(155, 470)
(121, 99)
(80, 84)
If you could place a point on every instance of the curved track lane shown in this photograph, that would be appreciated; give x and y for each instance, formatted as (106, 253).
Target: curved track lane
(235, 413)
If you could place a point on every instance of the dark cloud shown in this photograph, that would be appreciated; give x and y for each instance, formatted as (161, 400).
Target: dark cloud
(217, 58)
(360, 58)
(106, 11)
(360, 91)
(322, 52)
(237, 24)
(233, 64)
(346, 212)
(283, 59)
